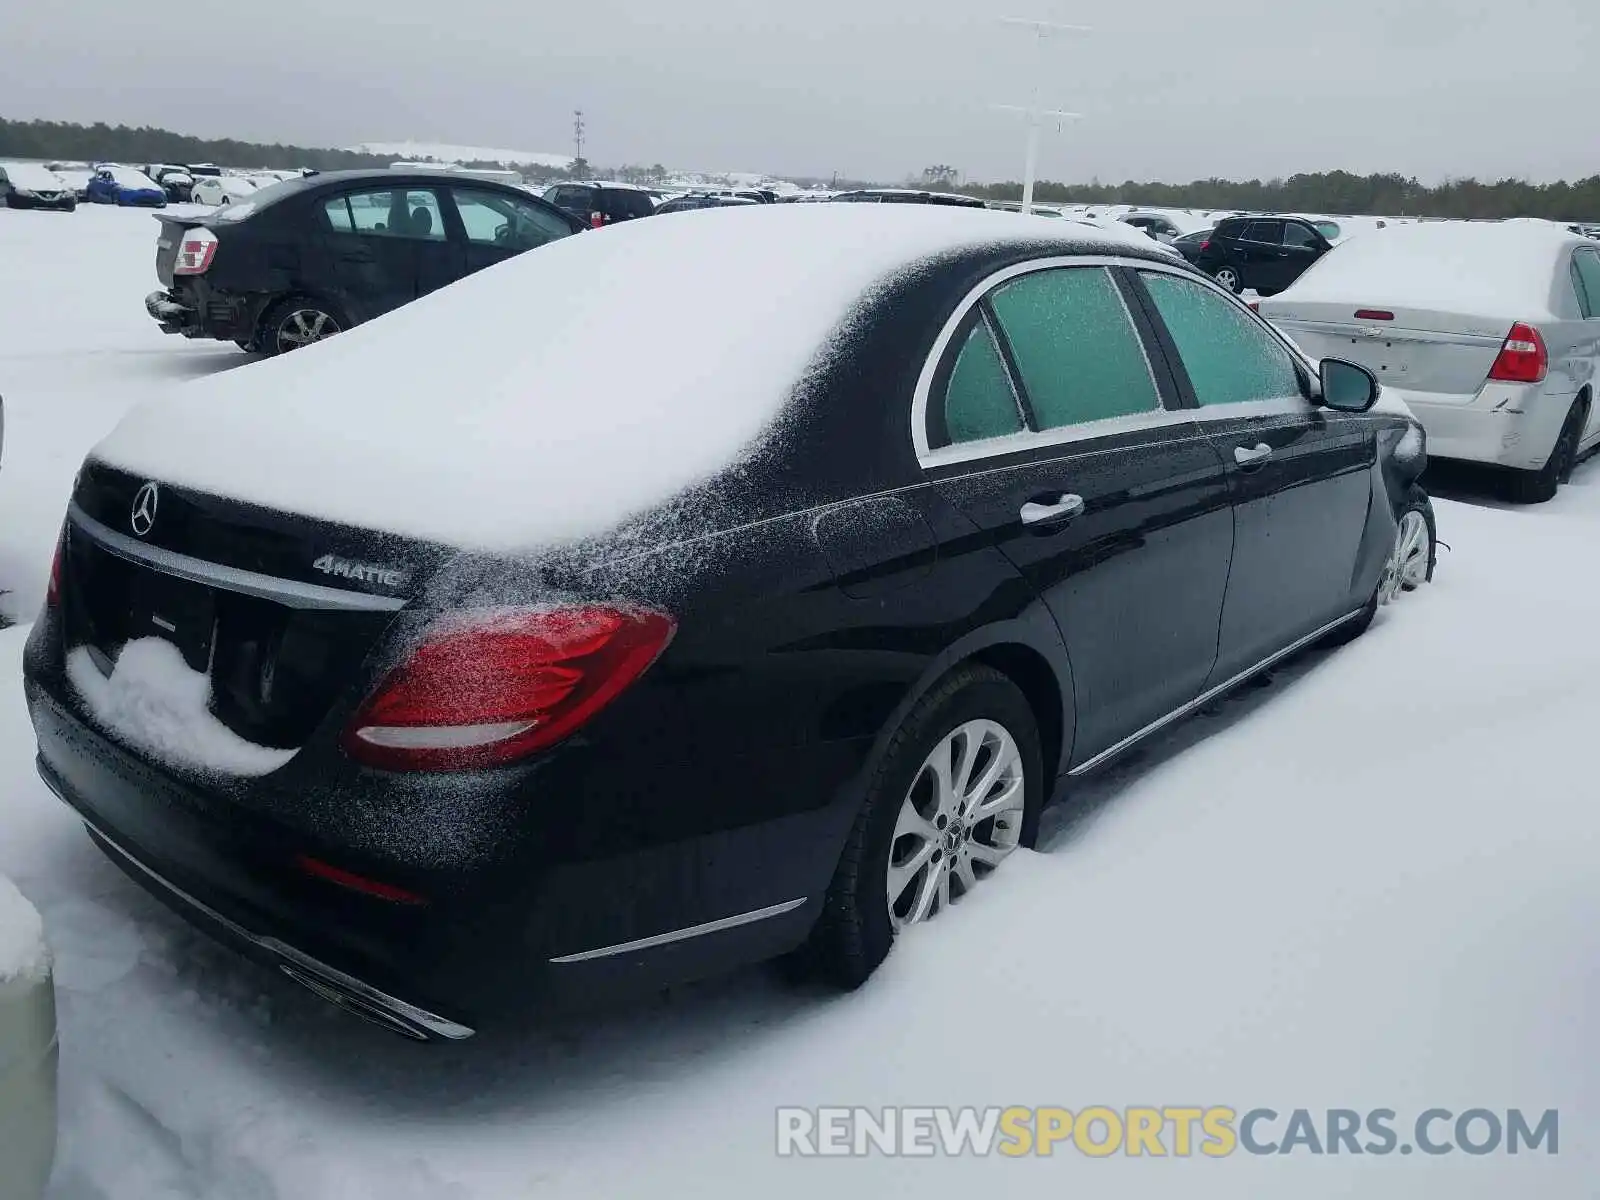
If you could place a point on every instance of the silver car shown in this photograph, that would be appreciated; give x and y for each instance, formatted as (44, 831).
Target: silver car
(1489, 331)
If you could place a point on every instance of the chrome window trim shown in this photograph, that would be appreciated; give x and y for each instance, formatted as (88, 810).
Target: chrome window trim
(928, 457)
(289, 592)
(1063, 435)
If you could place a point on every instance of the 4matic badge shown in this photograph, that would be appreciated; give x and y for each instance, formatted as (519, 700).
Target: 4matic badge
(344, 568)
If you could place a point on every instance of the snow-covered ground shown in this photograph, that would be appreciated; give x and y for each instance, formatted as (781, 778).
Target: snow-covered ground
(1369, 884)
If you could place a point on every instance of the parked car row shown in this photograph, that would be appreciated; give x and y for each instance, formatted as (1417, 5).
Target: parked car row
(776, 642)
(309, 257)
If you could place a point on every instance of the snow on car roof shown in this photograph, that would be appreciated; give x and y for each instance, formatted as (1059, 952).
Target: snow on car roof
(31, 175)
(552, 396)
(1487, 268)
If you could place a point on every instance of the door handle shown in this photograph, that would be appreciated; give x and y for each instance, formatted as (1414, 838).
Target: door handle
(1063, 509)
(1247, 457)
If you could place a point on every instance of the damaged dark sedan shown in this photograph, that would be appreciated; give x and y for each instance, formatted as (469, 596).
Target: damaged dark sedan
(691, 594)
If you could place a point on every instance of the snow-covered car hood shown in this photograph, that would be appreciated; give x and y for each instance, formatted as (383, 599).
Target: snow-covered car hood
(552, 396)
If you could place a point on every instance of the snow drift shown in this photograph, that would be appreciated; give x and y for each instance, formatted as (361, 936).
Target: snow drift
(23, 954)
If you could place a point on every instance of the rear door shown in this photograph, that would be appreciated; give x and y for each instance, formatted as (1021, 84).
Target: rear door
(1047, 425)
(1260, 248)
(374, 256)
(1300, 475)
(496, 227)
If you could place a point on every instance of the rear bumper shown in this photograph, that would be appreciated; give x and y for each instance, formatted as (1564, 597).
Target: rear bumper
(492, 942)
(218, 316)
(1505, 425)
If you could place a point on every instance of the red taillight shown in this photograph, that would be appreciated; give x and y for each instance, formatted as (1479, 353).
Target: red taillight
(1373, 314)
(195, 252)
(356, 883)
(52, 596)
(596, 220)
(484, 691)
(1206, 245)
(1255, 306)
(1523, 358)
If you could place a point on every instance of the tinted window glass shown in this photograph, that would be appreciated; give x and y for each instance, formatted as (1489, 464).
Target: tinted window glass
(1328, 229)
(338, 213)
(1588, 267)
(395, 213)
(1298, 235)
(494, 219)
(978, 401)
(1230, 358)
(1076, 348)
(1270, 232)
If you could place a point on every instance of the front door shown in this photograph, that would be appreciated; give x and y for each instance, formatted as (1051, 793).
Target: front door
(1300, 475)
(1050, 431)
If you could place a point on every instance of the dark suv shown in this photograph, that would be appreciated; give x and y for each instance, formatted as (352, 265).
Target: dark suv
(1264, 253)
(599, 203)
(304, 259)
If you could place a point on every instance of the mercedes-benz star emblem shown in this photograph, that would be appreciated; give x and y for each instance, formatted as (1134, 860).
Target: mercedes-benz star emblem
(143, 519)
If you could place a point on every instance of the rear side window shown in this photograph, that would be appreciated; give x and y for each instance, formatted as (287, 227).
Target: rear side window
(389, 213)
(1075, 347)
(1270, 232)
(1586, 272)
(1229, 357)
(978, 400)
(1298, 235)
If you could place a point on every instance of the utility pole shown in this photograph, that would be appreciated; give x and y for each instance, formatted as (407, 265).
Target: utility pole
(1035, 112)
(577, 132)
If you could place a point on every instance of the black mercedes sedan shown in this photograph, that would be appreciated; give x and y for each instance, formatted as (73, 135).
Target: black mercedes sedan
(698, 593)
(308, 258)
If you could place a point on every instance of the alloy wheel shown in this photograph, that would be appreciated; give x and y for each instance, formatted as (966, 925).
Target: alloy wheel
(961, 817)
(1407, 568)
(1228, 279)
(304, 326)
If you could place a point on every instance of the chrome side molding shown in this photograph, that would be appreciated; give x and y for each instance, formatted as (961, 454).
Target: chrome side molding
(680, 935)
(1210, 695)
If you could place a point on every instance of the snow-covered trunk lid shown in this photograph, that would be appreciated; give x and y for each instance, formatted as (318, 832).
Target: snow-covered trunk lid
(264, 619)
(1415, 349)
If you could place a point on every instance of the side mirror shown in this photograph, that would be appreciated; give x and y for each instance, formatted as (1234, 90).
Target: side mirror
(1347, 387)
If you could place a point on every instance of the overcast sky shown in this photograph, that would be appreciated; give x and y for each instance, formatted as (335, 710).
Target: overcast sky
(1170, 89)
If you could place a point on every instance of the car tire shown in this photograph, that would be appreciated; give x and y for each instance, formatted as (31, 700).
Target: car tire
(297, 321)
(1229, 278)
(857, 927)
(1397, 577)
(1536, 487)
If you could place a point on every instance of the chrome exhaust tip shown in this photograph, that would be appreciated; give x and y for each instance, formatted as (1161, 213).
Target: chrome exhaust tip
(356, 1005)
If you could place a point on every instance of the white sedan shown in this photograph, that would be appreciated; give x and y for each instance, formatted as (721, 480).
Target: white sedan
(1489, 331)
(221, 189)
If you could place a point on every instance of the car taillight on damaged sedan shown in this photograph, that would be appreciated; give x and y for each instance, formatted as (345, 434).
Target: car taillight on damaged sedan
(487, 691)
(195, 252)
(1523, 358)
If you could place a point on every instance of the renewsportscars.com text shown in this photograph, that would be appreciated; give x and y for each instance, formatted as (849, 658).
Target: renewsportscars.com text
(1161, 1132)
